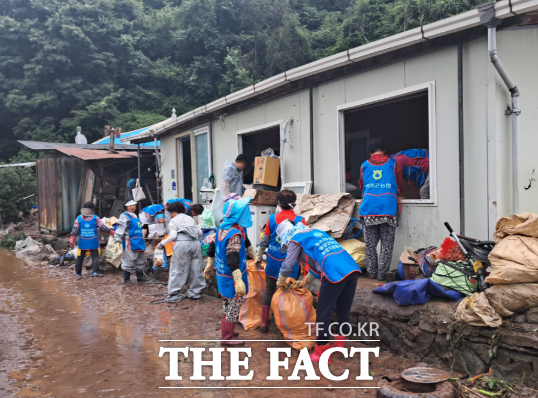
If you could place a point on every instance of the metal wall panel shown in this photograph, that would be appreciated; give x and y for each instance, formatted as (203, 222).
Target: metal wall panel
(71, 173)
(48, 172)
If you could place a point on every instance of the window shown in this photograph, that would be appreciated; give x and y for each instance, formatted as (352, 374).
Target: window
(201, 139)
(405, 120)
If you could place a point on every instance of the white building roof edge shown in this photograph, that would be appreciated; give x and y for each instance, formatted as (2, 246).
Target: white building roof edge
(466, 20)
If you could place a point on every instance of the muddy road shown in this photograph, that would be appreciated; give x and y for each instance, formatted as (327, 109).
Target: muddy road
(93, 337)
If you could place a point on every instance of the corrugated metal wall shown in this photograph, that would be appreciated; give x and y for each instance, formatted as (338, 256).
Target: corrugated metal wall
(58, 186)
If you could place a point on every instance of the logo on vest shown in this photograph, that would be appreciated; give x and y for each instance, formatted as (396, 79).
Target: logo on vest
(86, 225)
(318, 234)
(278, 239)
(378, 174)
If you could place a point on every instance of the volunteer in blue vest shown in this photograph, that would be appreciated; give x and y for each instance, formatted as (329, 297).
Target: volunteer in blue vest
(286, 199)
(231, 264)
(324, 259)
(129, 235)
(87, 227)
(381, 181)
(187, 265)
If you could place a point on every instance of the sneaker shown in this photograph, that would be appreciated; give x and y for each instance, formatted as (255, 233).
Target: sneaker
(94, 274)
(176, 298)
(79, 276)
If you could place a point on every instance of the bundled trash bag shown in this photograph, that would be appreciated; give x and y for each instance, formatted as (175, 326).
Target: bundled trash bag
(418, 291)
(476, 311)
(292, 309)
(208, 218)
(509, 299)
(455, 276)
(159, 259)
(356, 249)
(251, 309)
(113, 253)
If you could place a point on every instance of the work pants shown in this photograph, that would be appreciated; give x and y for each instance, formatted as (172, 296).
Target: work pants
(232, 307)
(187, 267)
(335, 295)
(133, 261)
(80, 260)
(372, 235)
(270, 289)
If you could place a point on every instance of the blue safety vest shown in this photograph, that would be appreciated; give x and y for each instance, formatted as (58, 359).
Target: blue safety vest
(186, 202)
(275, 257)
(88, 238)
(225, 280)
(334, 261)
(380, 189)
(136, 239)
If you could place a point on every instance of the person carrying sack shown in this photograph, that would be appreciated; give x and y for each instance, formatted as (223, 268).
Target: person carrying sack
(129, 235)
(323, 258)
(231, 265)
(381, 181)
(286, 199)
(87, 227)
(187, 264)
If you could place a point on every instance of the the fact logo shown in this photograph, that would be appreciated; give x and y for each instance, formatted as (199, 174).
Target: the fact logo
(303, 363)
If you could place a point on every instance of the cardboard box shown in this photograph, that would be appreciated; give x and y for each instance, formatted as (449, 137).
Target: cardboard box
(260, 197)
(266, 170)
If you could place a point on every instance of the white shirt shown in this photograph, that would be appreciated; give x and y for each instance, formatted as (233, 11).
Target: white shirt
(183, 223)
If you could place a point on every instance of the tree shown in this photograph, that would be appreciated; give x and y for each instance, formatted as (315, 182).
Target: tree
(16, 183)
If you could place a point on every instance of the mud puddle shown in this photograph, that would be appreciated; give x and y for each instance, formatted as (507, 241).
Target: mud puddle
(94, 337)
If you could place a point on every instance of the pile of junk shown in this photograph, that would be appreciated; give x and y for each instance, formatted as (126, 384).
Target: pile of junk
(491, 279)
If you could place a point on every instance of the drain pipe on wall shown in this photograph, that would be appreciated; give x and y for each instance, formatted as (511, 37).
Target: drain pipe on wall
(487, 17)
(283, 140)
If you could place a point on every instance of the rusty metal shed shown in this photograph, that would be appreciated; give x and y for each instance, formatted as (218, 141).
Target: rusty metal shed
(73, 174)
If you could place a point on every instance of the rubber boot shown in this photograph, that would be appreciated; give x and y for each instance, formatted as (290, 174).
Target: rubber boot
(127, 278)
(339, 341)
(227, 331)
(265, 319)
(223, 319)
(318, 350)
(140, 277)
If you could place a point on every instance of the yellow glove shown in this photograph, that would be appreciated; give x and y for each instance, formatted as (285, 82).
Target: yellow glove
(258, 258)
(250, 252)
(240, 288)
(118, 246)
(209, 267)
(281, 282)
(308, 279)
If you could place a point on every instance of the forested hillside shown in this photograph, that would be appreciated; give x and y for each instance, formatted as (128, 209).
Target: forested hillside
(65, 63)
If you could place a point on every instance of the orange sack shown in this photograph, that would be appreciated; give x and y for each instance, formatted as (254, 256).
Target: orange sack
(292, 309)
(251, 309)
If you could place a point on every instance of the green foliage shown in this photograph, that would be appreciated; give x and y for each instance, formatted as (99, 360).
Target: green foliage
(9, 241)
(16, 183)
(127, 63)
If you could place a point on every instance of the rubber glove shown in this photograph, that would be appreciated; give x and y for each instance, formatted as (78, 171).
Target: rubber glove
(250, 252)
(308, 279)
(281, 282)
(209, 267)
(72, 241)
(240, 288)
(258, 258)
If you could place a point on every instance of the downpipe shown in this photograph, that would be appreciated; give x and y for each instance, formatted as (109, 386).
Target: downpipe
(515, 111)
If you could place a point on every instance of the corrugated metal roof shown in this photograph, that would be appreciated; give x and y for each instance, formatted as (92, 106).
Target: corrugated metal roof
(44, 146)
(88, 154)
(27, 164)
(124, 136)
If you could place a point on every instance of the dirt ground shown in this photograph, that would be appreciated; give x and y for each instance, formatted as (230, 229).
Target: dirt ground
(63, 337)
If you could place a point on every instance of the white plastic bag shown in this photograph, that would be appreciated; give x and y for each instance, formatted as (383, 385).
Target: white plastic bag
(138, 192)
(113, 253)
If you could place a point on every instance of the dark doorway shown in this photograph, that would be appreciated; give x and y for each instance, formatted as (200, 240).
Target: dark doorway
(402, 122)
(185, 168)
(254, 144)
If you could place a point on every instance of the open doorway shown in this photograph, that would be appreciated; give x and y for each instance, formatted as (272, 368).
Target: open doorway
(252, 145)
(403, 123)
(184, 189)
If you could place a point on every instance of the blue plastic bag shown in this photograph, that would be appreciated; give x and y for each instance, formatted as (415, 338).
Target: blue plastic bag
(418, 291)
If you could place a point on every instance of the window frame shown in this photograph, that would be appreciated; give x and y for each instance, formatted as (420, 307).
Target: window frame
(252, 130)
(432, 134)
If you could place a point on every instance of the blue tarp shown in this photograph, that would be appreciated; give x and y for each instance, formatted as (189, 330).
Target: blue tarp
(106, 140)
(418, 291)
